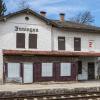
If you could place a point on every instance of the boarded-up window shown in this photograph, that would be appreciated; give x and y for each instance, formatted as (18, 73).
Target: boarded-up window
(32, 40)
(47, 70)
(65, 69)
(77, 44)
(13, 70)
(79, 67)
(20, 40)
(61, 43)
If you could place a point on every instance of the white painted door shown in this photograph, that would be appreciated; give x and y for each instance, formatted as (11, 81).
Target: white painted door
(28, 72)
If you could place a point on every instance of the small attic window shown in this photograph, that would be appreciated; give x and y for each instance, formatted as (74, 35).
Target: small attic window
(26, 18)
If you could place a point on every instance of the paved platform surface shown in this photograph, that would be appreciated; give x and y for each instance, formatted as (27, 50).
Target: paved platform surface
(49, 85)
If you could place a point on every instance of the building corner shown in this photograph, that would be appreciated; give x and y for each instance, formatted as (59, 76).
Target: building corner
(1, 66)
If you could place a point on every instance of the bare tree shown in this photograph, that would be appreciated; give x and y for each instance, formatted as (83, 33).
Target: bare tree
(83, 18)
(2, 7)
(23, 4)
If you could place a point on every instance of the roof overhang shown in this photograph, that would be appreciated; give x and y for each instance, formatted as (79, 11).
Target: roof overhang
(51, 53)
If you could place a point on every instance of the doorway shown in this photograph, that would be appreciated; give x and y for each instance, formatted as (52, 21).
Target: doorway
(91, 70)
(28, 73)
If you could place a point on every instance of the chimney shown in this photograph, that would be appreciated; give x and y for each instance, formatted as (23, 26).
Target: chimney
(43, 13)
(62, 17)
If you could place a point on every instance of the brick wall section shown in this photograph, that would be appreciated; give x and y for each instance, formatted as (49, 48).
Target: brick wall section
(63, 78)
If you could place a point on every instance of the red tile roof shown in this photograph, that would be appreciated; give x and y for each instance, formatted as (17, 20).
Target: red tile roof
(51, 53)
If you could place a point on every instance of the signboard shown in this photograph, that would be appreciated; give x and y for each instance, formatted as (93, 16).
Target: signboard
(17, 28)
(91, 45)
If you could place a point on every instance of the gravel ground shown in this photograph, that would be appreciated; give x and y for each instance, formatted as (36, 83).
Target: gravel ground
(49, 85)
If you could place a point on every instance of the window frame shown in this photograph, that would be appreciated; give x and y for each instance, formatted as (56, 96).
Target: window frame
(34, 46)
(62, 72)
(77, 47)
(9, 73)
(60, 47)
(19, 45)
(44, 73)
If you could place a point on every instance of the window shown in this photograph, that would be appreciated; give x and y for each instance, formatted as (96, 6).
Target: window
(61, 43)
(20, 40)
(77, 44)
(26, 18)
(65, 69)
(47, 70)
(79, 67)
(32, 40)
(13, 70)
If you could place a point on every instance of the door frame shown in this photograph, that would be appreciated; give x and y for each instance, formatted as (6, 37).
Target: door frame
(93, 69)
(32, 72)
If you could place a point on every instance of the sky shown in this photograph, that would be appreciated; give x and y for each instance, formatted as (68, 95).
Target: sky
(54, 7)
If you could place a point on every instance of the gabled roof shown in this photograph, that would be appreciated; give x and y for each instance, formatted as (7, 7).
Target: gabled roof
(66, 25)
(27, 11)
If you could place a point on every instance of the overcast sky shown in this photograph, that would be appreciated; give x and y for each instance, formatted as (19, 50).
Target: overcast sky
(54, 7)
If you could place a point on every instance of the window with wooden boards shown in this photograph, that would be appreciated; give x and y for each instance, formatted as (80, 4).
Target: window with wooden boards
(61, 43)
(20, 40)
(32, 40)
(77, 44)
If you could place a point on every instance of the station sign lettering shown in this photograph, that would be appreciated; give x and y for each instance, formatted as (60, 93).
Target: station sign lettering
(26, 29)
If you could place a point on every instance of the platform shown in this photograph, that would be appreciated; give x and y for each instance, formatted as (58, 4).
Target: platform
(49, 85)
